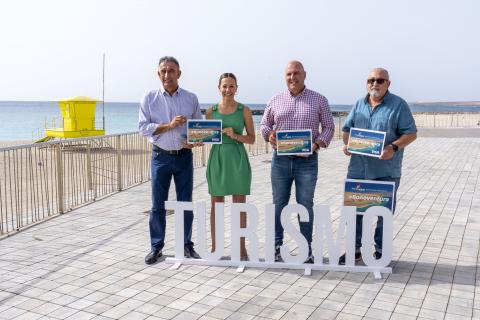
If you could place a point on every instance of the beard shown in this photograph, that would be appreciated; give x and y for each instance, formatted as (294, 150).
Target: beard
(375, 93)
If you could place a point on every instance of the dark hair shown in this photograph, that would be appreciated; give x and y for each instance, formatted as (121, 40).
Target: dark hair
(227, 75)
(169, 59)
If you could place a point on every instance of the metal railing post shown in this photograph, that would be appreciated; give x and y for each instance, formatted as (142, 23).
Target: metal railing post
(204, 156)
(59, 165)
(338, 128)
(89, 168)
(119, 163)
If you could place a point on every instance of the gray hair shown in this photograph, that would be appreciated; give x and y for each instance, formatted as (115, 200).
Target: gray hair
(169, 59)
(381, 70)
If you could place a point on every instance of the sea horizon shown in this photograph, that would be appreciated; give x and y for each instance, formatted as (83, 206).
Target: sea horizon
(26, 120)
(422, 102)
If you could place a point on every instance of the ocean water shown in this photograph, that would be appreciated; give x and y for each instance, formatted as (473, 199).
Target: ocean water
(26, 120)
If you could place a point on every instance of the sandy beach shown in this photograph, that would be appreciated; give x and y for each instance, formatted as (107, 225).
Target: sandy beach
(5, 144)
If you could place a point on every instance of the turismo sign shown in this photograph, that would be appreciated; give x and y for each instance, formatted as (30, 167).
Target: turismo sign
(324, 239)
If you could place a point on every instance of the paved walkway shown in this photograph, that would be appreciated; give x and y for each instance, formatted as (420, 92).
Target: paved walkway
(449, 132)
(88, 264)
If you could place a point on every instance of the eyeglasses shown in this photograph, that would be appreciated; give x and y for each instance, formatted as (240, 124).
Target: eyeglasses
(379, 80)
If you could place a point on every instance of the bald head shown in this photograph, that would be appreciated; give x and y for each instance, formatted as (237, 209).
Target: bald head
(380, 72)
(295, 63)
(295, 77)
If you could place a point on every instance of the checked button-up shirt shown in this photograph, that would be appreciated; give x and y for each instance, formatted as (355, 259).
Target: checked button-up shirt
(308, 110)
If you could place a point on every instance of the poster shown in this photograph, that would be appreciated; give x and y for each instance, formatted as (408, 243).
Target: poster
(294, 142)
(206, 131)
(366, 142)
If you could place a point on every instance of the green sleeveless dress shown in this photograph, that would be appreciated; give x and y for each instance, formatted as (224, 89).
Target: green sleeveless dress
(228, 170)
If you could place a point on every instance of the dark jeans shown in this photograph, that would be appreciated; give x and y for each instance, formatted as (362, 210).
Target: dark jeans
(165, 166)
(378, 236)
(285, 170)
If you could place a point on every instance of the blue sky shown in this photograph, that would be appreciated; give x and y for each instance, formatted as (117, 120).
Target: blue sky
(52, 49)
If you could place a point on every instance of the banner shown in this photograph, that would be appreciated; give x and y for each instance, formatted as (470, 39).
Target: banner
(365, 194)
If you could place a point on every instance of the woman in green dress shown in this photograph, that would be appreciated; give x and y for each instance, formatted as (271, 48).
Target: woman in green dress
(228, 170)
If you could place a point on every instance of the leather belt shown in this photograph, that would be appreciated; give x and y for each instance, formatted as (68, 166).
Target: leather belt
(170, 152)
(293, 156)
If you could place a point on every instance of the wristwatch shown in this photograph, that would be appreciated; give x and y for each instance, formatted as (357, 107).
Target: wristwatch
(394, 147)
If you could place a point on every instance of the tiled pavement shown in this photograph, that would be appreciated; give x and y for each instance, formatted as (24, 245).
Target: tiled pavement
(88, 263)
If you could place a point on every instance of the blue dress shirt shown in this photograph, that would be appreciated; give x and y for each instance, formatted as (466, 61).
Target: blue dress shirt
(158, 107)
(392, 116)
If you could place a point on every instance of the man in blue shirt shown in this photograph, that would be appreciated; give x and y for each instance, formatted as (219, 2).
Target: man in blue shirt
(383, 111)
(162, 117)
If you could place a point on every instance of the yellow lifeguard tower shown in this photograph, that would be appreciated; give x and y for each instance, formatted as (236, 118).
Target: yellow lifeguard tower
(78, 115)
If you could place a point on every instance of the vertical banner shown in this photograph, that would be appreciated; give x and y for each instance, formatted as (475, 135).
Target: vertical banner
(373, 199)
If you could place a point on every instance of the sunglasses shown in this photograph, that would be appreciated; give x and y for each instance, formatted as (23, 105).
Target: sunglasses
(377, 80)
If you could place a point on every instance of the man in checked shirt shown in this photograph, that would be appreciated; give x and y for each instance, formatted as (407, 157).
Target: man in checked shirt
(295, 109)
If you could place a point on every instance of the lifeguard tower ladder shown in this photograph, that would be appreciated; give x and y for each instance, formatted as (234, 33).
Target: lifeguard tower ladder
(78, 115)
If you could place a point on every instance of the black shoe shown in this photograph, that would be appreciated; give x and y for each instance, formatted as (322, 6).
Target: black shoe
(310, 255)
(377, 255)
(310, 259)
(153, 256)
(278, 256)
(189, 252)
(341, 260)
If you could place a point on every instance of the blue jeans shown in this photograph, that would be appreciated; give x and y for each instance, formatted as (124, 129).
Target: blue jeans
(378, 236)
(286, 170)
(163, 168)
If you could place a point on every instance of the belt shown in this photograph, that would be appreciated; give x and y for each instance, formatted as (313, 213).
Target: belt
(170, 152)
(294, 156)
